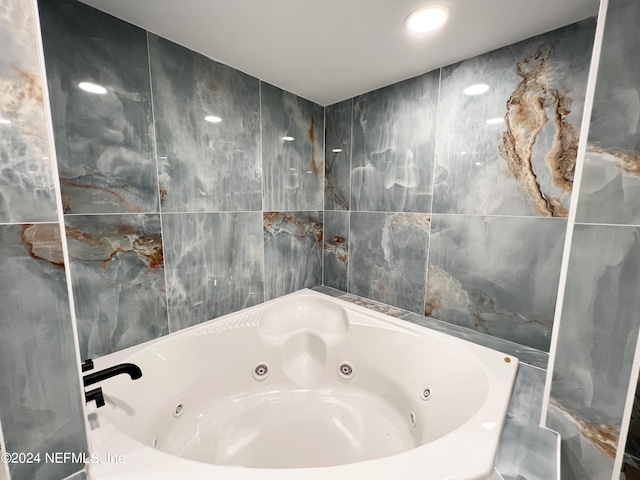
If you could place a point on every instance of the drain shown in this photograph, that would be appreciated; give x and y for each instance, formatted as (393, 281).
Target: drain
(345, 370)
(426, 393)
(177, 410)
(261, 371)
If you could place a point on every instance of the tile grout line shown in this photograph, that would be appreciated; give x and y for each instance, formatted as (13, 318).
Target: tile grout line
(324, 196)
(155, 154)
(60, 214)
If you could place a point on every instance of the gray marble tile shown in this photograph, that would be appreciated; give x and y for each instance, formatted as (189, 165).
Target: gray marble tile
(40, 396)
(497, 275)
(596, 341)
(336, 249)
(292, 251)
(581, 458)
(26, 178)
(527, 355)
(205, 166)
(214, 264)
(104, 142)
(375, 306)
(293, 170)
(527, 451)
(117, 272)
(524, 164)
(337, 163)
(394, 132)
(610, 186)
(333, 292)
(388, 258)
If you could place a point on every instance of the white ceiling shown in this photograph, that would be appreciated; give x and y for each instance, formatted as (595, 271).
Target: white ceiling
(331, 50)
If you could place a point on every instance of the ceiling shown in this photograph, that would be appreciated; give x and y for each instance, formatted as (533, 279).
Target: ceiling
(331, 50)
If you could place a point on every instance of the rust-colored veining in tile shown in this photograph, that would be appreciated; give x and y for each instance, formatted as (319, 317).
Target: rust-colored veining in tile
(339, 246)
(44, 242)
(420, 220)
(280, 222)
(312, 138)
(329, 178)
(629, 162)
(122, 239)
(604, 437)
(67, 207)
(525, 118)
(162, 191)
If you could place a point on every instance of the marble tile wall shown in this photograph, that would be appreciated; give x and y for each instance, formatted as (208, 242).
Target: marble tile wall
(599, 325)
(165, 208)
(40, 394)
(488, 257)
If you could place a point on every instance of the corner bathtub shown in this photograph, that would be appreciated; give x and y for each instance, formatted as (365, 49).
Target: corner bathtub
(305, 386)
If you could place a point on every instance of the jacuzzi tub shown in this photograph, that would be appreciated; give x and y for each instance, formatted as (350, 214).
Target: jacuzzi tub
(305, 386)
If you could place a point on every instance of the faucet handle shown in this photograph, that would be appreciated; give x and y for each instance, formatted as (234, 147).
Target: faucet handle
(87, 365)
(95, 394)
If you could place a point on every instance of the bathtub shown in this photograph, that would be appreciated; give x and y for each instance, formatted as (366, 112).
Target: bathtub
(305, 386)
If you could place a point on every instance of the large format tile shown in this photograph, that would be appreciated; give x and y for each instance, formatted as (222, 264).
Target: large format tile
(40, 396)
(117, 272)
(527, 451)
(336, 249)
(524, 163)
(292, 251)
(596, 343)
(214, 264)
(104, 143)
(388, 258)
(394, 132)
(497, 275)
(292, 151)
(205, 166)
(337, 164)
(26, 177)
(610, 186)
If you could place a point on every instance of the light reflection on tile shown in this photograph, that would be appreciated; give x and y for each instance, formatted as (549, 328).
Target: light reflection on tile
(524, 166)
(104, 142)
(205, 166)
(338, 155)
(292, 151)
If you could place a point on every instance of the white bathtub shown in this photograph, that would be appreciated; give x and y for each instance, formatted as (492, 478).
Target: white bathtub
(348, 393)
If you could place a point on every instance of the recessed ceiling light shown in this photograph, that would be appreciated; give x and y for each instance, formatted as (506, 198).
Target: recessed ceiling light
(495, 121)
(213, 119)
(477, 89)
(336, 150)
(92, 88)
(426, 19)
(5, 121)
(288, 139)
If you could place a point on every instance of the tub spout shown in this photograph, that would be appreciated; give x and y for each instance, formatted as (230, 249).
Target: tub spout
(129, 368)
